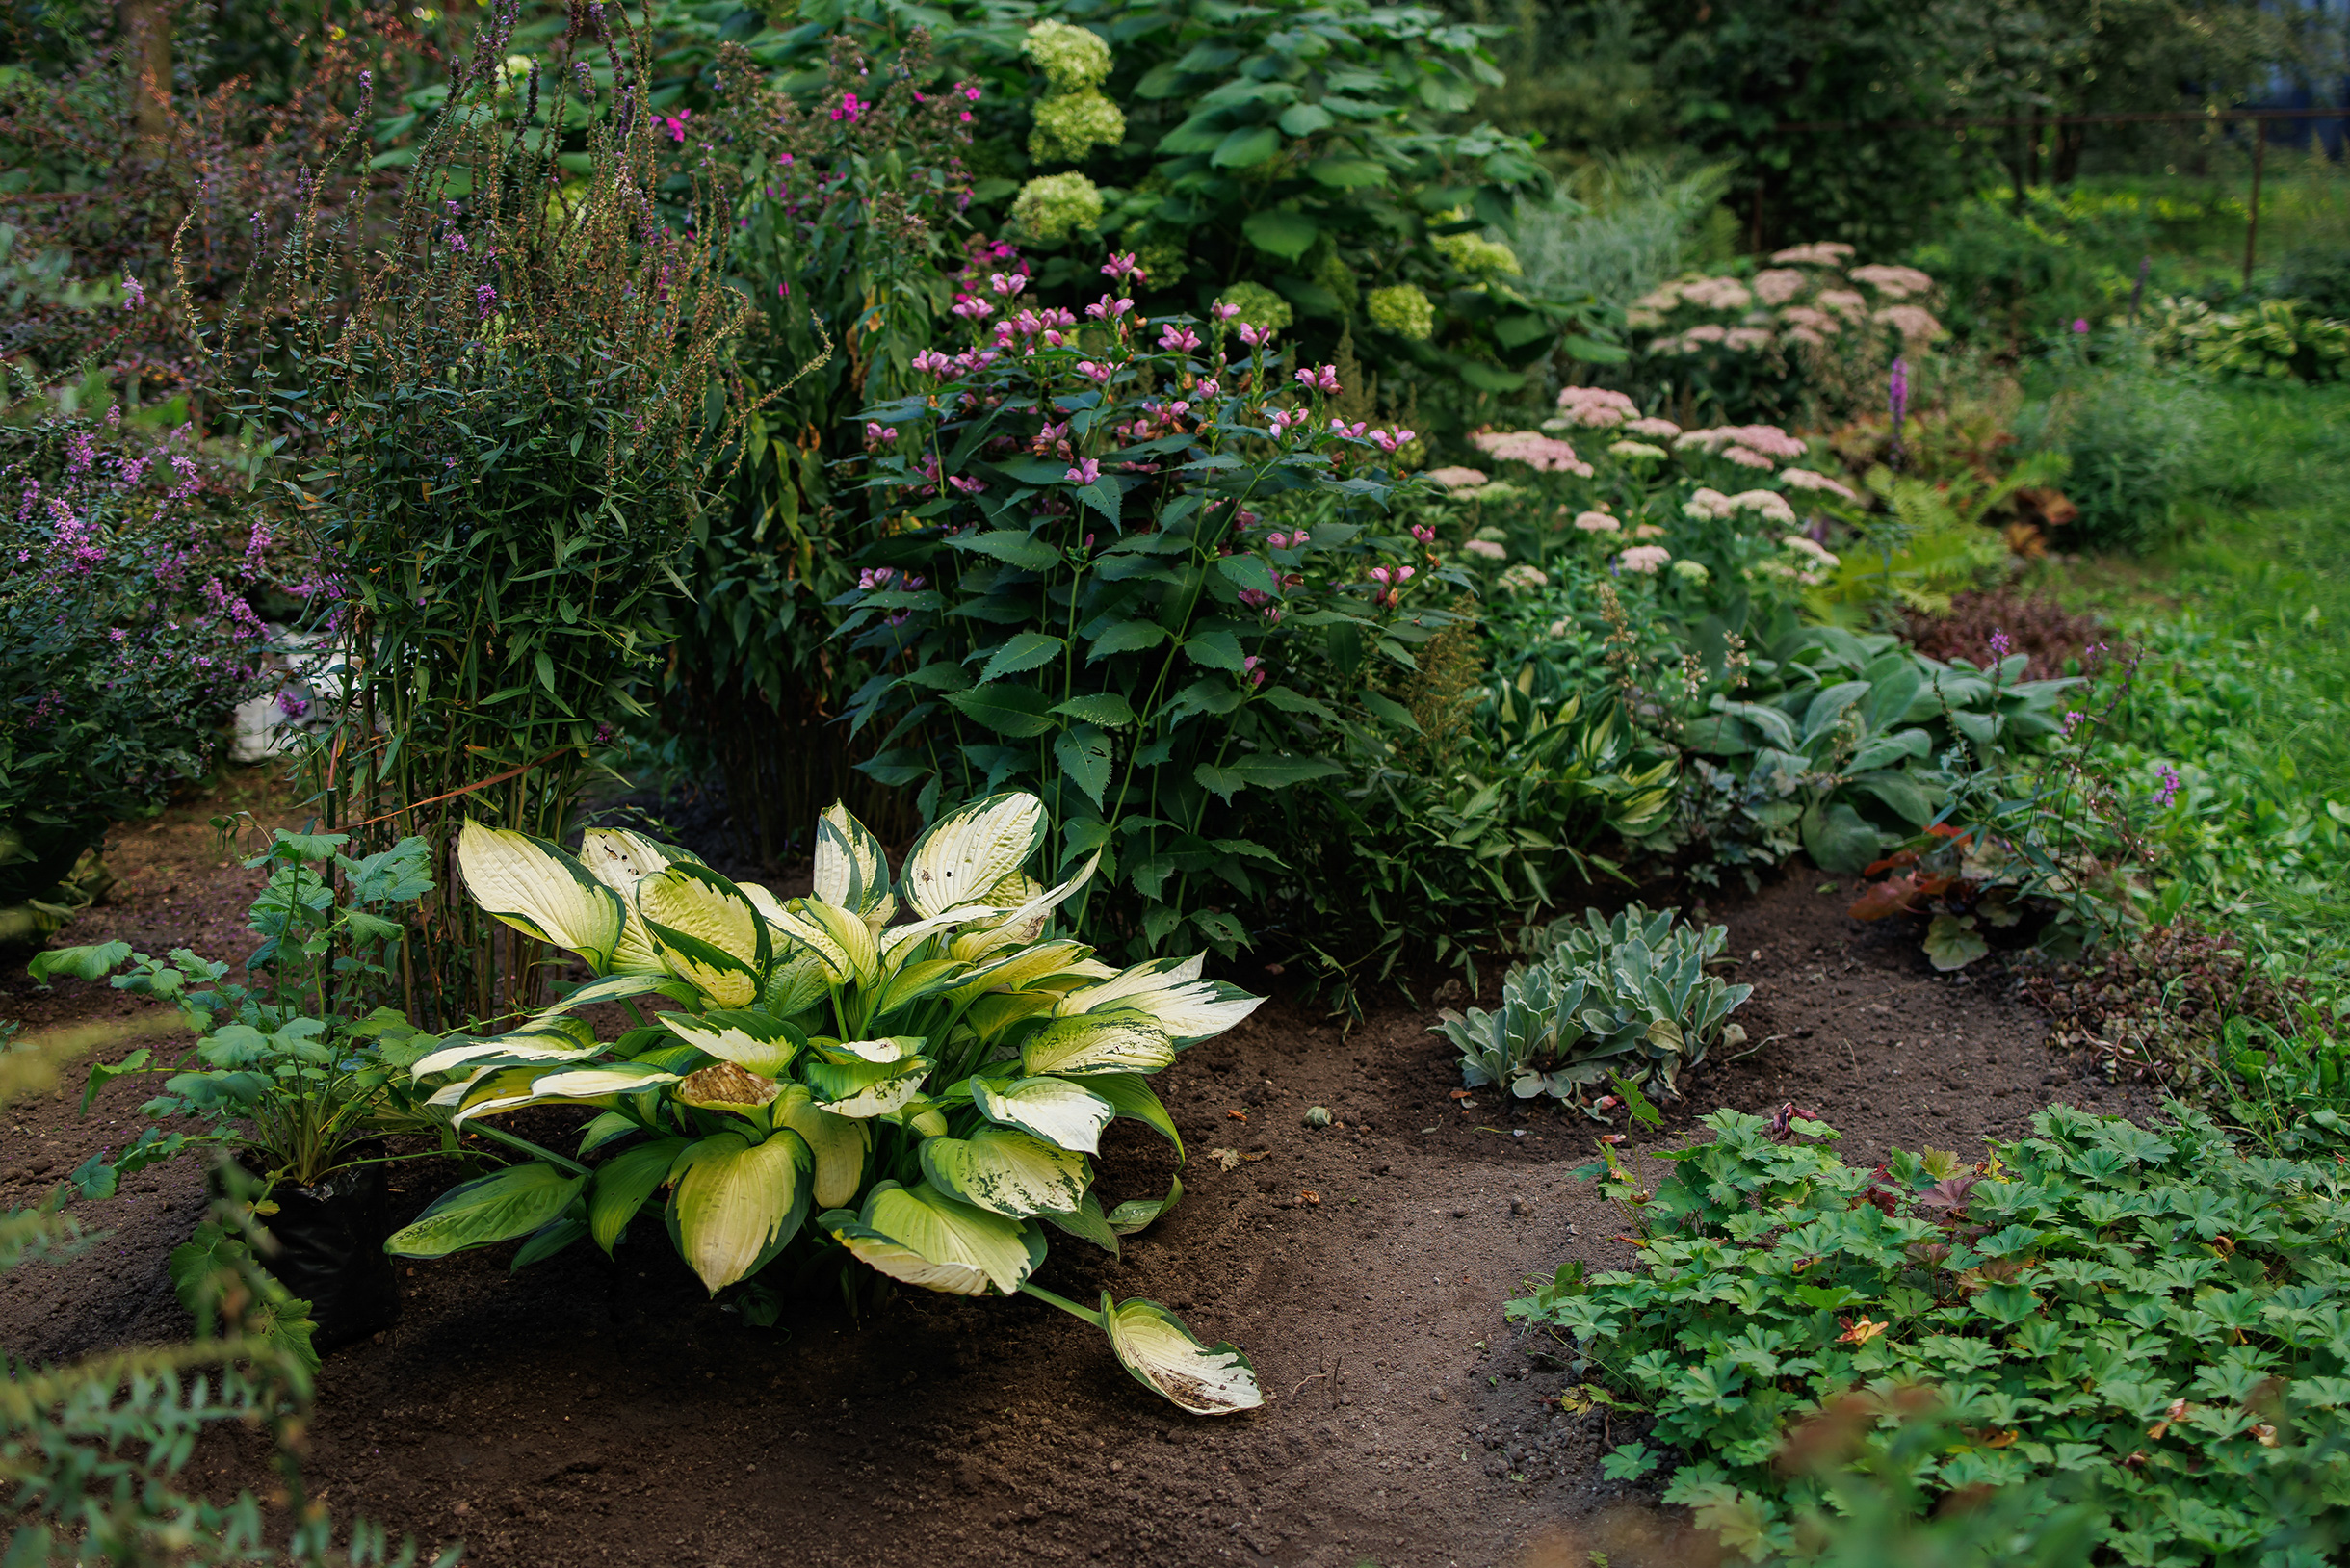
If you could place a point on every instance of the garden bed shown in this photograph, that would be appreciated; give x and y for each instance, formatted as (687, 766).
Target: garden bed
(590, 1410)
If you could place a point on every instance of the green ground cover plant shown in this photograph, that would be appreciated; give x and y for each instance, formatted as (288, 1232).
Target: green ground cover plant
(926, 1092)
(2145, 1317)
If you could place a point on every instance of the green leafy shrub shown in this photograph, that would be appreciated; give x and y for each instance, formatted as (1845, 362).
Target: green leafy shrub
(2277, 340)
(1624, 998)
(929, 1091)
(295, 1076)
(1626, 225)
(125, 635)
(2150, 1315)
(2135, 439)
(1077, 596)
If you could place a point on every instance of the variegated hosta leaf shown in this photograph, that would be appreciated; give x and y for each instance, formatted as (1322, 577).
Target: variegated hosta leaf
(998, 1011)
(709, 933)
(893, 1048)
(1137, 1214)
(1152, 1344)
(537, 889)
(922, 1237)
(796, 984)
(739, 1202)
(863, 1088)
(839, 938)
(1007, 1170)
(621, 985)
(1132, 1095)
(1054, 1109)
(851, 871)
(1104, 1042)
(510, 1088)
(1027, 920)
(916, 981)
(620, 859)
(1018, 971)
(542, 1039)
(750, 1040)
(1189, 1009)
(970, 850)
(725, 1086)
(839, 1143)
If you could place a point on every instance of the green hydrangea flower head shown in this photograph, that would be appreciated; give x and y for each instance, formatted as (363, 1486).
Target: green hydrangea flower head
(1052, 207)
(1073, 59)
(1068, 125)
(1473, 253)
(1259, 307)
(1402, 310)
(1163, 260)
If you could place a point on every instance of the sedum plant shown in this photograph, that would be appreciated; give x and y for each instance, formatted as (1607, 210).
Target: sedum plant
(1626, 999)
(930, 1091)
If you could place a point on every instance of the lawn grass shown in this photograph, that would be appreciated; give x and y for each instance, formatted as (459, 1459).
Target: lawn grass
(2246, 689)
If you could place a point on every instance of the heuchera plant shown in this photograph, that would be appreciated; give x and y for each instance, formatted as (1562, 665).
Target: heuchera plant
(933, 1087)
(1072, 592)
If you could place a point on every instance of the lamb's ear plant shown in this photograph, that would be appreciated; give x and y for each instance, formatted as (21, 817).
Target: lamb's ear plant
(493, 414)
(920, 1098)
(1626, 1000)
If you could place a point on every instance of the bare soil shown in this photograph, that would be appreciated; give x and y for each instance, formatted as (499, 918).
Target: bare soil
(595, 1409)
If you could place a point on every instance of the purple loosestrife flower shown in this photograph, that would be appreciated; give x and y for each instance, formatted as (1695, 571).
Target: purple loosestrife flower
(2166, 785)
(134, 294)
(1896, 397)
(486, 297)
(1999, 644)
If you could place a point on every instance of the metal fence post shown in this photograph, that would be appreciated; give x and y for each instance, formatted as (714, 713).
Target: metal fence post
(2252, 218)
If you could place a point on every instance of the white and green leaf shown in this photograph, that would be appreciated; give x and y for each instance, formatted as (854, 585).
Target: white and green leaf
(839, 938)
(1054, 1109)
(538, 890)
(738, 1203)
(922, 1237)
(851, 871)
(708, 934)
(495, 1208)
(970, 850)
(1164, 1357)
(1007, 1170)
(863, 1088)
(1104, 1042)
(1189, 1009)
(839, 1143)
(752, 1041)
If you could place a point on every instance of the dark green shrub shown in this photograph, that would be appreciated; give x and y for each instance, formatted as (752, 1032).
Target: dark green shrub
(2135, 440)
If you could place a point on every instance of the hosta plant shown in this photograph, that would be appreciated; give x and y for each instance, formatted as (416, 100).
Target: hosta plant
(1604, 999)
(929, 1091)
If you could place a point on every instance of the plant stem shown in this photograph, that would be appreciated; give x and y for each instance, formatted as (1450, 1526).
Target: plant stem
(1064, 1304)
(488, 1130)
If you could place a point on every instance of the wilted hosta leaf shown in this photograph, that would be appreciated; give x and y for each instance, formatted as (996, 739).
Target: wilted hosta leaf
(970, 850)
(1152, 1344)
(1170, 991)
(1054, 1109)
(750, 1040)
(863, 1088)
(1007, 1170)
(497, 1208)
(709, 933)
(1109, 1042)
(534, 887)
(838, 1142)
(737, 1203)
(922, 1237)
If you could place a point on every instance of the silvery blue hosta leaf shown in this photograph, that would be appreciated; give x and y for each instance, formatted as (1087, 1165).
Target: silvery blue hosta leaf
(1169, 990)
(1163, 1356)
(537, 889)
(922, 1237)
(971, 850)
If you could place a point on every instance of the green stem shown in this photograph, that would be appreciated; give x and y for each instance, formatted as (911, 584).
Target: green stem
(1064, 1304)
(490, 1129)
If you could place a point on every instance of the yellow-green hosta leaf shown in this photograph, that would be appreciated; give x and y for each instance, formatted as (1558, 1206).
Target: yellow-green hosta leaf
(998, 1011)
(1170, 991)
(863, 1088)
(796, 984)
(1007, 1170)
(851, 871)
(838, 937)
(542, 1039)
(1018, 971)
(624, 1183)
(922, 1237)
(621, 985)
(1054, 1109)
(537, 889)
(1104, 1042)
(496, 1208)
(595, 1083)
(620, 859)
(971, 850)
(839, 1143)
(709, 933)
(1087, 1224)
(1027, 920)
(750, 1040)
(1164, 1357)
(738, 1203)
(915, 981)
(893, 1048)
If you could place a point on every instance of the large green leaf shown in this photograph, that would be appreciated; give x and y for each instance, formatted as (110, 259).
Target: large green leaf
(1132, 1096)
(1054, 1109)
(1023, 653)
(922, 1237)
(541, 891)
(709, 932)
(1126, 637)
(1006, 707)
(496, 1208)
(1164, 1357)
(1007, 1171)
(1106, 1042)
(1084, 756)
(737, 1203)
(1288, 235)
(838, 1143)
(1245, 149)
(624, 1183)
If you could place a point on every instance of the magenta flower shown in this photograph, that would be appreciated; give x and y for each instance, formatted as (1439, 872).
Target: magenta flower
(134, 294)
(1085, 472)
(2166, 785)
(1178, 338)
(2000, 643)
(1121, 267)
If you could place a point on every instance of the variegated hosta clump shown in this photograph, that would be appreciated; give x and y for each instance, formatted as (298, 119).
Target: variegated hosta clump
(1627, 997)
(931, 1090)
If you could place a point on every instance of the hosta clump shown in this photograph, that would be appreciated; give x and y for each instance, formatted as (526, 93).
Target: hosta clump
(2141, 1318)
(929, 1091)
(1627, 997)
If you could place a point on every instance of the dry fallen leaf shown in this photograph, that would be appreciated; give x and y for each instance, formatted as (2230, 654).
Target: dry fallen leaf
(1237, 1115)
(1311, 1199)
(1229, 1159)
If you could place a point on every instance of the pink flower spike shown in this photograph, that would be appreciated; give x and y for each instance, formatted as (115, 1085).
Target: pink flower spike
(1381, 575)
(1180, 339)
(1279, 542)
(1085, 472)
(1120, 266)
(1098, 375)
(1223, 312)
(1007, 286)
(1256, 338)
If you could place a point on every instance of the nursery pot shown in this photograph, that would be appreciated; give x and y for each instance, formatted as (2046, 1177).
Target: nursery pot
(328, 1250)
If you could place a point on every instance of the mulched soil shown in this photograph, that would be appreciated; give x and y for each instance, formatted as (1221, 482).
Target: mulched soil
(596, 1410)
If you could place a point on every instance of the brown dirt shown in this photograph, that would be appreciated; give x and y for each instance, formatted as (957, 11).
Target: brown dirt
(594, 1409)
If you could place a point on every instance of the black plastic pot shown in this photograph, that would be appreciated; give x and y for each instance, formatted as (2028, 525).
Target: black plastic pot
(329, 1251)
